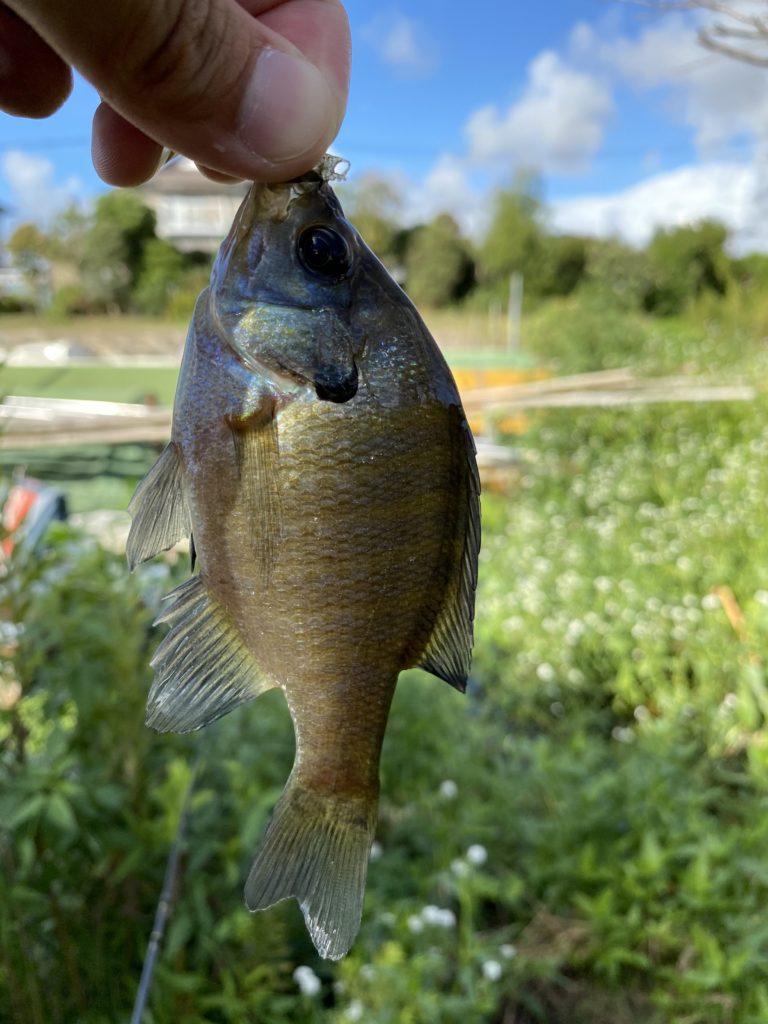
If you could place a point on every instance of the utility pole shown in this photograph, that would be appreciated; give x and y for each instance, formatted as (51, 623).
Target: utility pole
(514, 311)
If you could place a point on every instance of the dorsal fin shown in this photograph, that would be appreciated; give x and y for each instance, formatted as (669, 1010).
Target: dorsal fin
(448, 651)
(159, 509)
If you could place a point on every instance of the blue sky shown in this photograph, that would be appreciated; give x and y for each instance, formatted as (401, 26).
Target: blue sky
(627, 120)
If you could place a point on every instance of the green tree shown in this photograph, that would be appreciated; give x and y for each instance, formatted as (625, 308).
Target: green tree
(113, 249)
(67, 234)
(514, 236)
(29, 249)
(439, 266)
(686, 262)
(516, 242)
(162, 270)
(619, 272)
(564, 263)
(375, 207)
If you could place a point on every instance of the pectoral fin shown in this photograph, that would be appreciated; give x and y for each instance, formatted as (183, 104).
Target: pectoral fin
(257, 455)
(203, 669)
(448, 652)
(159, 509)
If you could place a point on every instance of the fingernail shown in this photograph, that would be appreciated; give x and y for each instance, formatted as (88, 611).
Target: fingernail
(286, 109)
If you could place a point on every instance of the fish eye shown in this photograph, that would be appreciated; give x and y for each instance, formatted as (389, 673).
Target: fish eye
(324, 251)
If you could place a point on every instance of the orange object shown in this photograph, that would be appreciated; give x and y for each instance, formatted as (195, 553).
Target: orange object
(17, 507)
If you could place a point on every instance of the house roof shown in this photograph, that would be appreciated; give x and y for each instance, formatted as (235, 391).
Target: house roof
(181, 177)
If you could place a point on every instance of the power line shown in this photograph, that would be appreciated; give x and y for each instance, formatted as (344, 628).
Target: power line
(376, 149)
(61, 143)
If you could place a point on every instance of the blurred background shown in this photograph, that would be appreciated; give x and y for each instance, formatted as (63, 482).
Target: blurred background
(575, 196)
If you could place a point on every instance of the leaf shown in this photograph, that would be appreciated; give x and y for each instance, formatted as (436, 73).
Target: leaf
(59, 813)
(25, 811)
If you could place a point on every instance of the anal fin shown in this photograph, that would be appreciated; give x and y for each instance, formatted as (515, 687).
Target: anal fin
(159, 509)
(203, 669)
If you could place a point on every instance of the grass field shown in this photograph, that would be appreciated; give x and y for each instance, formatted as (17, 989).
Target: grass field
(106, 383)
(138, 383)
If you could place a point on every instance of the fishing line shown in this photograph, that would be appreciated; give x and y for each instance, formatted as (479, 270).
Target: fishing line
(163, 909)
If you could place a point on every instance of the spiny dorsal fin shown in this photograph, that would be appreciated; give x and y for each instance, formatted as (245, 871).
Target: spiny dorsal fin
(316, 848)
(448, 652)
(159, 509)
(203, 669)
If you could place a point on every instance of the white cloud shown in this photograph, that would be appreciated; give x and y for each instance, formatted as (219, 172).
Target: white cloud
(404, 45)
(556, 125)
(717, 97)
(721, 191)
(559, 120)
(447, 188)
(34, 192)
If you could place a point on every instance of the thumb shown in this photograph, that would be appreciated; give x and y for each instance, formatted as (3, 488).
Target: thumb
(253, 92)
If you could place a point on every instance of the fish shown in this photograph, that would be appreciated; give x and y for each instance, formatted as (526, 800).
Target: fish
(321, 463)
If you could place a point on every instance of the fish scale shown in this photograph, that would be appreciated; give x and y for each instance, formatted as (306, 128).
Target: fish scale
(321, 460)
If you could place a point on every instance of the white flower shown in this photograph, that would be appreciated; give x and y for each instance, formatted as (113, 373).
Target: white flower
(710, 602)
(415, 924)
(376, 850)
(508, 951)
(623, 735)
(368, 971)
(354, 1011)
(307, 980)
(460, 868)
(730, 701)
(492, 970)
(575, 631)
(477, 855)
(439, 916)
(545, 672)
(448, 789)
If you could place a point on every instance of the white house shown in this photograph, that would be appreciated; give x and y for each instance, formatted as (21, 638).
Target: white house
(193, 213)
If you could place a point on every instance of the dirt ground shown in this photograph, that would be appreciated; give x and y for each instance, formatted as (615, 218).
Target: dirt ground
(113, 336)
(465, 332)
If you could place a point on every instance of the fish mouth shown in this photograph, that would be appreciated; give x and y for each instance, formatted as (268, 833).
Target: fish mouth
(334, 384)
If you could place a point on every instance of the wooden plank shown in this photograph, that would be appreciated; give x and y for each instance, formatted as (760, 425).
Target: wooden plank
(59, 438)
(30, 422)
(605, 399)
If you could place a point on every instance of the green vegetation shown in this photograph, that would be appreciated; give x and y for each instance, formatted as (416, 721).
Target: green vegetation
(109, 260)
(583, 839)
(100, 383)
(439, 265)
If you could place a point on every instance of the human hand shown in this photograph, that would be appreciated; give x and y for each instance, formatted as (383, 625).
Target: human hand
(248, 88)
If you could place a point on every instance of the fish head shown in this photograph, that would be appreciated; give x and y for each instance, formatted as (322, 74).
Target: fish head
(282, 288)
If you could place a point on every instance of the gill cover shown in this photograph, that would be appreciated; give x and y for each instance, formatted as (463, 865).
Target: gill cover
(282, 287)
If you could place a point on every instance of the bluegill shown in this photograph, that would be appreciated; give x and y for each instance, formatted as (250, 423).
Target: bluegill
(321, 463)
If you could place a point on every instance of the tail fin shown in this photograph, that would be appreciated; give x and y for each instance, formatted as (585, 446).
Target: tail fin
(316, 849)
